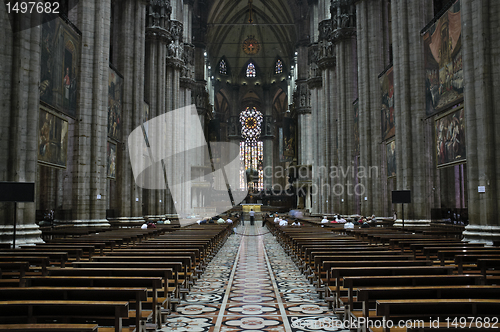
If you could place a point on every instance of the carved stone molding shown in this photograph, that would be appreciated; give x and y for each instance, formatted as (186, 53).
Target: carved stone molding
(343, 14)
(158, 20)
(302, 98)
(199, 97)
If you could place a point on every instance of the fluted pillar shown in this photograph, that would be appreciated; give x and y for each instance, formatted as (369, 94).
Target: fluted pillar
(373, 57)
(19, 95)
(481, 43)
(409, 92)
(129, 55)
(158, 36)
(90, 136)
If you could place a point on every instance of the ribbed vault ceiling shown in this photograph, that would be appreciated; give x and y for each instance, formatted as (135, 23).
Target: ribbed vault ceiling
(273, 27)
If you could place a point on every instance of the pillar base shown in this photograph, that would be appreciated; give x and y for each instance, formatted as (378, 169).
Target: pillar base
(85, 223)
(482, 234)
(25, 234)
(412, 223)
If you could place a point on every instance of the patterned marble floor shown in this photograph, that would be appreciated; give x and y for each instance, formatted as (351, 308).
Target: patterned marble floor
(252, 285)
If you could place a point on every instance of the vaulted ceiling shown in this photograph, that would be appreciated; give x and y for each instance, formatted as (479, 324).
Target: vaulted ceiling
(274, 25)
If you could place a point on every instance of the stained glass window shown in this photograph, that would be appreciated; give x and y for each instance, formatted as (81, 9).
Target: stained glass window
(251, 122)
(251, 72)
(251, 149)
(223, 67)
(279, 67)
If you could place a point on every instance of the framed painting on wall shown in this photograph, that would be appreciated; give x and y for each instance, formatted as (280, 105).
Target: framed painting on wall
(444, 78)
(52, 139)
(391, 159)
(450, 138)
(111, 161)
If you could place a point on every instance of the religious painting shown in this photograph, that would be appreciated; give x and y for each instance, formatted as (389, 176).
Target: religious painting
(111, 160)
(387, 112)
(115, 93)
(289, 139)
(356, 127)
(444, 77)
(391, 159)
(52, 140)
(60, 63)
(450, 138)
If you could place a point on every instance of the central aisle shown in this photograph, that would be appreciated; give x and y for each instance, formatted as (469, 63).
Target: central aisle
(263, 291)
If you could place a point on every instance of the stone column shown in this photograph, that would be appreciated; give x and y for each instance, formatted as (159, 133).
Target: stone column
(308, 134)
(481, 43)
(90, 136)
(19, 95)
(321, 114)
(129, 55)
(409, 92)
(344, 37)
(175, 64)
(158, 36)
(373, 57)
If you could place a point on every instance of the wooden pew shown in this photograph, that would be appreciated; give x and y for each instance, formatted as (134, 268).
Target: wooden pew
(19, 268)
(484, 264)
(392, 310)
(368, 296)
(35, 310)
(136, 295)
(175, 266)
(460, 260)
(353, 283)
(58, 256)
(48, 328)
(337, 274)
(153, 284)
(444, 255)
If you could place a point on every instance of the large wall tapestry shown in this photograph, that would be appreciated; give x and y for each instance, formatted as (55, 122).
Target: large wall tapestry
(356, 127)
(450, 138)
(387, 113)
(111, 160)
(52, 140)
(115, 93)
(391, 159)
(444, 81)
(60, 62)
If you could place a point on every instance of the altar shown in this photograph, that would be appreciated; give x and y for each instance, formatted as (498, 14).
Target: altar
(246, 207)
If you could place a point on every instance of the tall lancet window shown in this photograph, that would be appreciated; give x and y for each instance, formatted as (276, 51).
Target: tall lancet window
(223, 67)
(251, 149)
(279, 67)
(251, 72)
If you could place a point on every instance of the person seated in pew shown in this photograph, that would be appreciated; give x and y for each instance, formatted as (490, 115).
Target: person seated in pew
(325, 220)
(221, 221)
(349, 224)
(151, 225)
(277, 218)
(365, 224)
(229, 220)
(144, 226)
(356, 221)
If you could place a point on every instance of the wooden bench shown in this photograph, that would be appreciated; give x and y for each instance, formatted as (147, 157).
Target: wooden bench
(485, 264)
(36, 310)
(368, 296)
(392, 310)
(444, 255)
(461, 260)
(131, 295)
(337, 274)
(152, 284)
(353, 283)
(48, 327)
(59, 256)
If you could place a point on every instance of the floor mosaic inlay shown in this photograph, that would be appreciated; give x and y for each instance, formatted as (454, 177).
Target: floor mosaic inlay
(252, 285)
